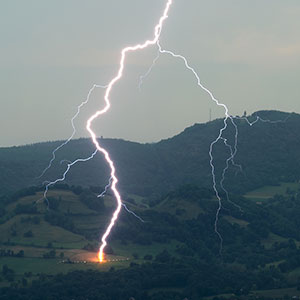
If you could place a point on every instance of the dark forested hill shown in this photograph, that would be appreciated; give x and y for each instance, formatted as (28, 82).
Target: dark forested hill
(267, 151)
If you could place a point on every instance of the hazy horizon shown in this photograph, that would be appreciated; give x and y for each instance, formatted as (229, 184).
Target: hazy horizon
(128, 140)
(246, 53)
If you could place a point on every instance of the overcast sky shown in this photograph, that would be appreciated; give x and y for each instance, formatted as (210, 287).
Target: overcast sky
(247, 52)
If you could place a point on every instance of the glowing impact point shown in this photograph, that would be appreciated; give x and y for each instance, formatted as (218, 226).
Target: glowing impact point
(101, 257)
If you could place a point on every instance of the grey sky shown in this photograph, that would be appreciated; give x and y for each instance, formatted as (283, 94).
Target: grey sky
(52, 52)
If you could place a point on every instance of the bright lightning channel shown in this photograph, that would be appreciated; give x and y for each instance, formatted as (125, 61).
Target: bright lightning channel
(124, 205)
(157, 32)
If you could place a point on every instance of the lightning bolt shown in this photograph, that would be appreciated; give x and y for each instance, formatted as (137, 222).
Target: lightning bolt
(217, 139)
(147, 43)
(233, 150)
(113, 178)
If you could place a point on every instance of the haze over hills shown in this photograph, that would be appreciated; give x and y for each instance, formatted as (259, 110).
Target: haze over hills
(266, 150)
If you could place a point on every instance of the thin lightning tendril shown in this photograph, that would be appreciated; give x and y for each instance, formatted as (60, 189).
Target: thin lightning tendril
(133, 213)
(64, 160)
(142, 77)
(105, 189)
(258, 118)
(73, 126)
(71, 164)
(228, 160)
(233, 150)
(219, 137)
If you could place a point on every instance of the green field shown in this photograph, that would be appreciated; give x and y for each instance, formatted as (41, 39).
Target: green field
(43, 233)
(184, 209)
(46, 237)
(69, 244)
(267, 192)
(129, 249)
(274, 294)
(233, 220)
(69, 202)
(271, 239)
(51, 266)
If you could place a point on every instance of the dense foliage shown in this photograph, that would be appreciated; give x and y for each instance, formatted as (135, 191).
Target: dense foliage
(196, 268)
(146, 282)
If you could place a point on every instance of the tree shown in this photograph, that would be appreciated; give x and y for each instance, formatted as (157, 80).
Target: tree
(92, 201)
(28, 234)
(24, 281)
(163, 257)
(20, 253)
(148, 257)
(50, 254)
(135, 255)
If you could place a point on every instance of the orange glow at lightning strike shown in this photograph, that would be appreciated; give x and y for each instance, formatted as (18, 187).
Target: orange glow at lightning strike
(101, 256)
(157, 32)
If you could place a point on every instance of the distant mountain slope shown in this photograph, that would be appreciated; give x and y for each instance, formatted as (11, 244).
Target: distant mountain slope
(268, 153)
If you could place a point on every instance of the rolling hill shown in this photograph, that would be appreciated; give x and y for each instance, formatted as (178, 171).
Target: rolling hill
(267, 152)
